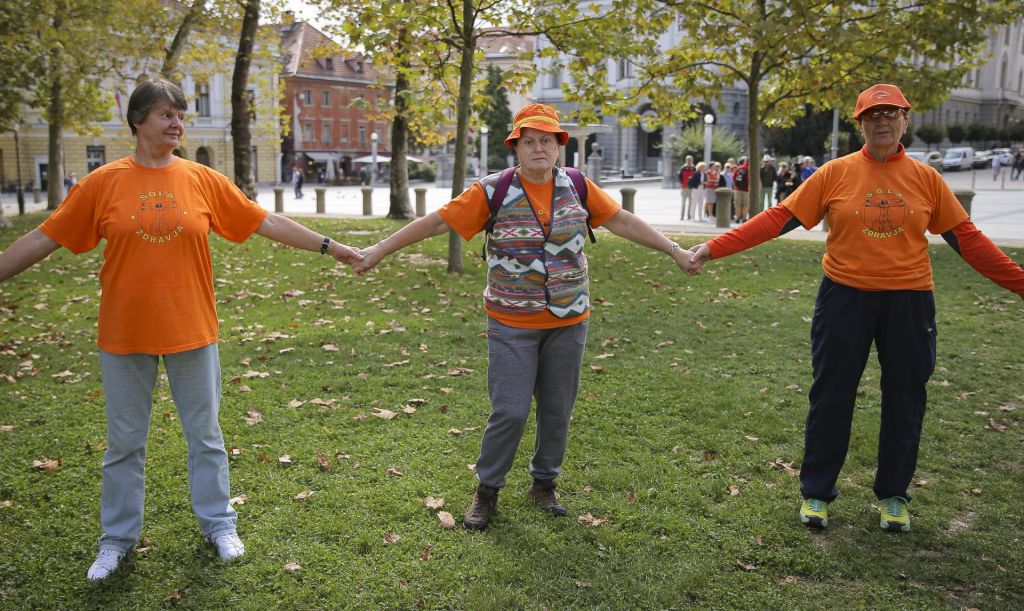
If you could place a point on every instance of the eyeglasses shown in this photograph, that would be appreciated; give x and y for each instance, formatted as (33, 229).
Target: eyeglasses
(888, 113)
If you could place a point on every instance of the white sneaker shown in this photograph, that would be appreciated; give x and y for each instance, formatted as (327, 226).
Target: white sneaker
(229, 546)
(106, 563)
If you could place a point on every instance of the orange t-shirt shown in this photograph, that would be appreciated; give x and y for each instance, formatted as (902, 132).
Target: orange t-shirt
(878, 213)
(157, 277)
(467, 215)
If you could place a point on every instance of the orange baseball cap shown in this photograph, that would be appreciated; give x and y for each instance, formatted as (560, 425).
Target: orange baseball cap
(880, 95)
(536, 116)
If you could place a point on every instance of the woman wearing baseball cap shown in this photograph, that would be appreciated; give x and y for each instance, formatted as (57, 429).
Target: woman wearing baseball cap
(877, 288)
(537, 297)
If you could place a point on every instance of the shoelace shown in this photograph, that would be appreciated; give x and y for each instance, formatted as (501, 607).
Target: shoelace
(816, 505)
(895, 508)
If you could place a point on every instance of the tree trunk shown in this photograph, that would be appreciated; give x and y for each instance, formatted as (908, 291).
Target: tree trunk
(753, 137)
(400, 208)
(55, 160)
(462, 127)
(178, 44)
(241, 102)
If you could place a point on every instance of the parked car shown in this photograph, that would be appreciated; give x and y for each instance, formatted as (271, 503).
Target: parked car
(933, 158)
(1005, 156)
(982, 159)
(958, 158)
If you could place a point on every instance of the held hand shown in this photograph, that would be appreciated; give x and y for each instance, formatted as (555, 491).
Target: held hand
(370, 257)
(344, 254)
(699, 255)
(682, 259)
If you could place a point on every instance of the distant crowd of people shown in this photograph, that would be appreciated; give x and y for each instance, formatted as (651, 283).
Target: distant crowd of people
(698, 183)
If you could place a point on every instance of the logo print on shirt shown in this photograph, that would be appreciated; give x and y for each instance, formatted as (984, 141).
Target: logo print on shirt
(883, 213)
(159, 217)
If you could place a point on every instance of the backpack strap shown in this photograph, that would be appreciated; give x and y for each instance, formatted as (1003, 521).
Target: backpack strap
(580, 182)
(494, 204)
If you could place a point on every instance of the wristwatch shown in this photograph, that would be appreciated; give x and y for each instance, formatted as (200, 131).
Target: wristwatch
(323, 247)
(674, 248)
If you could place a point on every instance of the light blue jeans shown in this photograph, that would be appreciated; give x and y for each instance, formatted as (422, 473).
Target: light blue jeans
(128, 382)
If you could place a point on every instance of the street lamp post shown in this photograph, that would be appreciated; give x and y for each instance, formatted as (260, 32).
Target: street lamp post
(709, 121)
(373, 154)
(17, 160)
(483, 150)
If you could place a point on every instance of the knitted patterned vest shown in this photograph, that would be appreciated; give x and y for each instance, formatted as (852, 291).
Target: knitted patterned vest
(527, 272)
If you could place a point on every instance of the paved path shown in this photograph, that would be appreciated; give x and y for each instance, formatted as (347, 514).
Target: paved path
(998, 207)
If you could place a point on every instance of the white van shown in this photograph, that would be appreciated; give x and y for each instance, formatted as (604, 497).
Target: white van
(958, 158)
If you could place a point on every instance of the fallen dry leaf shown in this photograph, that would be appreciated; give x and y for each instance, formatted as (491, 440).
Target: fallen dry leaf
(408, 409)
(286, 459)
(426, 553)
(292, 566)
(596, 368)
(244, 388)
(782, 465)
(589, 520)
(173, 596)
(433, 503)
(386, 414)
(995, 425)
(734, 491)
(255, 417)
(296, 403)
(391, 538)
(302, 496)
(745, 566)
(393, 472)
(750, 438)
(446, 519)
(238, 500)
(6, 504)
(330, 348)
(46, 464)
(323, 462)
(6, 428)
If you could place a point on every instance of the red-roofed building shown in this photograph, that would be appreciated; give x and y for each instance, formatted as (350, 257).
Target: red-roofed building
(321, 81)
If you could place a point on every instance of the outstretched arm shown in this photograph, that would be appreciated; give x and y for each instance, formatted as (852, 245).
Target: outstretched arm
(286, 231)
(765, 226)
(980, 253)
(28, 250)
(420, 229)
(628, 225)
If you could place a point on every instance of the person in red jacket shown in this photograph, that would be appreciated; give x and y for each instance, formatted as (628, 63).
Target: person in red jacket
(685, 173)
(741, 190)
(877, 289)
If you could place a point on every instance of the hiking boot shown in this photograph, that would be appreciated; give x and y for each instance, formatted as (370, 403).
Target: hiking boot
(229, 546)
(482, 509)
(543, 493)
(814, 513)
(895, 517)
(106, 563)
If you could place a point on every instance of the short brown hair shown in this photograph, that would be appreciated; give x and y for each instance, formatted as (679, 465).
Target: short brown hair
(148, 94)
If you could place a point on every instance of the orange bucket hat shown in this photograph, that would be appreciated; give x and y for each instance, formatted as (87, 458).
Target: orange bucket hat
(880, 95)
(536, 116)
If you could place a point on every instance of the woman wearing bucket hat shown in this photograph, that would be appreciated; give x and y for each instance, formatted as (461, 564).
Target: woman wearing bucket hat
(537, 296)
(877, 288)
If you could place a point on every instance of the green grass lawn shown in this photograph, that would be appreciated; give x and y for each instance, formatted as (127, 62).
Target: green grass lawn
(686, 440)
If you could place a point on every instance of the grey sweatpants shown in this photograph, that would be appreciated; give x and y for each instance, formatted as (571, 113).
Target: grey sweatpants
(128, 382)
(523, 364)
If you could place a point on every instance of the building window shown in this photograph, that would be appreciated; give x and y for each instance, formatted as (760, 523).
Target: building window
(95, 156)
(307, 132)
(554, 79)
(380, 135)
(327, 98)
(329, 63)
(362, 134)
(325, 133)
(202, 100)
(343, 136)
(307, 97)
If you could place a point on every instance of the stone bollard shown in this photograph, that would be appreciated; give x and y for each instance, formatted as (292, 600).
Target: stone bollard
(278, 199)
(421, 201)
(320, 197)
(36, 196)
(723, 207)
(628, 195)
(965, 197)
(367, 201)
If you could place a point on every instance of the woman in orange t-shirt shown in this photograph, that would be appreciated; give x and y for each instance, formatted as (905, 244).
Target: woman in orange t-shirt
(155, 211)
(877, 290)
(537, 296)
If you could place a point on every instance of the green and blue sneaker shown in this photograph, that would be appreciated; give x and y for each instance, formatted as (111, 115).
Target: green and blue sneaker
(814, 513)
(895, 517)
